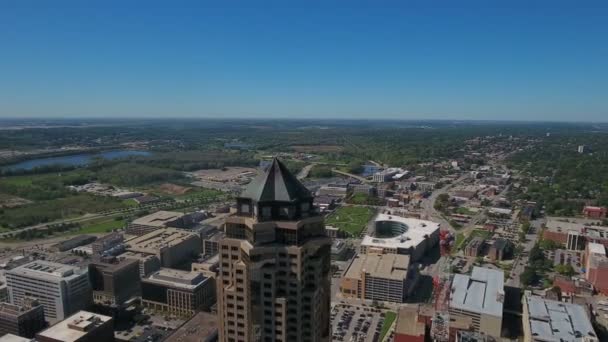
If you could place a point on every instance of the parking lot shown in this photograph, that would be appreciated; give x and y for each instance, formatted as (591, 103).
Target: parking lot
(356, 323)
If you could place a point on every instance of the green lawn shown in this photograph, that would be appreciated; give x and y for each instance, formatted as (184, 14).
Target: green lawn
(459, 240)
(100, 227)
(389, 318)
(477, 232)
(350, 219)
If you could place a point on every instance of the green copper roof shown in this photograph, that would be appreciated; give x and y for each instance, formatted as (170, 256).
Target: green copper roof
(276, 184)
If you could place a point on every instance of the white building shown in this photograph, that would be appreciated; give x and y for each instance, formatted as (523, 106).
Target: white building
(401, 235)
(61, 289)
(386, 175)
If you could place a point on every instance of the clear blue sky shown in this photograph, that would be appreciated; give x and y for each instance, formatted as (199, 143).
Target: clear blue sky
(331, 59)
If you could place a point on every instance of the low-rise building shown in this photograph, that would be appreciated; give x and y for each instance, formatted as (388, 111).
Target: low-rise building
(72, 243)
(14, 338)
(107, 243)
(172, 246)
(339, 249)
(178, 292)
(595, 212)
(333, 190)
(25, 320)
(381, 277)
(83, 326)
(362, 189)
(200, 328)
(158, 220)
(574, 234)
(409, 327)
(479, 296)
(61, 289)
(548, 320)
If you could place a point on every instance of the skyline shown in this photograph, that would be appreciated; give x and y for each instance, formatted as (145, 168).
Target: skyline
(474, 62)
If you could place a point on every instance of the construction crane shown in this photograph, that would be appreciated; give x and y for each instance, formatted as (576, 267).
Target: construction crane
(442, 286)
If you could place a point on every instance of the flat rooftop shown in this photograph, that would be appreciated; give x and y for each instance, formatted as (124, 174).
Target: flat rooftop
(158, 219)
(176, 278)
(557, 321)
(151, 243)
(407, 322)
(75, 327)
(46, 270)
(14, 338)
(199, 328)
(417, 231)
(482, 292)
(388, 266)
(580, 226)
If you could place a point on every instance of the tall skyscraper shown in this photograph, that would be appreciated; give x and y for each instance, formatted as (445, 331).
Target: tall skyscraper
(274, 279)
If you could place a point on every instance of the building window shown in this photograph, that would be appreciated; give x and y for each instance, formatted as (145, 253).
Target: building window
(245, 208)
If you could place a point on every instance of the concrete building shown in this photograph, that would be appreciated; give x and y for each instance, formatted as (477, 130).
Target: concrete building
(385, 175)
(479, 296)
(381, 277)
(25, 321)
(148, 263)
(548, 320)
(575, 234)
(581, 149)
(410, 327)
(158, 220)
(61, 289)
(499, 249)
(172, 246)
(333, 190)
(366, 189)
(74, 242)
(208, 266)
(107, 243)
(14, 338)
(178, 292)
(114, 282)
(475, 247)
(200, 328)
(83, 326)
(596, 265)
(211, 241)
(401, 235)
(274, 282)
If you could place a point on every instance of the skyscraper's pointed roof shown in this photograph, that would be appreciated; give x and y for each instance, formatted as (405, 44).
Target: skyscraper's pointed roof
(276, 184)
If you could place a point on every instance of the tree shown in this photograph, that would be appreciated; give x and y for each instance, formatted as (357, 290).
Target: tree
(528, 276)
(565, 269)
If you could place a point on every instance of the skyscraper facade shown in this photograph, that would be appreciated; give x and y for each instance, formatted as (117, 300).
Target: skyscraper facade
(274, 279)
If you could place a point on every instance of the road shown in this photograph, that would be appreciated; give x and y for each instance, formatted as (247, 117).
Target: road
(363, 180)
(305, 171)
(428, 205)
(519, 264)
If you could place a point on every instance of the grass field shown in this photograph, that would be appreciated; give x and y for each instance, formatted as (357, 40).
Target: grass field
(100, 227)
(350, 219)
(389, 318)
(459, 240)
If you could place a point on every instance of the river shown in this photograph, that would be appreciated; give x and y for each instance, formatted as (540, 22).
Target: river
(80, 159)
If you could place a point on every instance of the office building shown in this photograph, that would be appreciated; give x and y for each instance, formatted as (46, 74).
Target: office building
(172, 246)
(385, 175)
(548, 320)
(83, 326)
(381, 277)
(366, 189)
(178, 292)
(108, 243)
(25, 320)
(211, 241)
(274, 281)
(401, 235)
(475, 247)
(479, 296)
(162, 219)
(14, 338)
(499, 250)
(575, 234)
(61, 289)
(596, 265)
(581, 149)
(148, 263)
(114, 282)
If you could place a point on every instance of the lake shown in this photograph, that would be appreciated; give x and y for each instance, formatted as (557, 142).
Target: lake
(73, 159)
